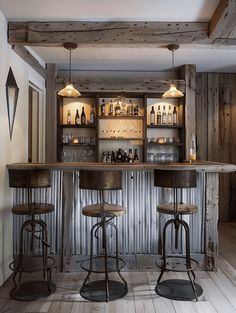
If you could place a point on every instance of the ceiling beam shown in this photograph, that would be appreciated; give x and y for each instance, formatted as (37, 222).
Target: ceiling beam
(139, 34)
(223, 21)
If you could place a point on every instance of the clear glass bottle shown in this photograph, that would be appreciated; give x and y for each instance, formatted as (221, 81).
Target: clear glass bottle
(92, 116)
(118, 107)
(192, 150)
(68, 119)
(169, 116)
(111, 108)
(164, 116)
(104, 157)
(152, 116)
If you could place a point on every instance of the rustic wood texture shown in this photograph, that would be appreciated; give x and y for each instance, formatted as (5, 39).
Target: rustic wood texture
(87, 33)
(206, 166)
(188, 73)
(30, 59)
(51, 115)
(215, 106)
(122, 85)
(222, 24)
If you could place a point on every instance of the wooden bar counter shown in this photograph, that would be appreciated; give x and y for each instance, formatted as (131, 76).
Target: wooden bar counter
(140, 227)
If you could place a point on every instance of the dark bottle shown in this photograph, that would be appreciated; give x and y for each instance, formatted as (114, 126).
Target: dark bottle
(130, 156)
(77, 120)
(103, 108)
(159, 115)
(126, 157)
(136, 158)
(83, 117)
(136, 110)
(113, 157)
(111, 108)
(122, 156)
(152, 116)
(109, 157)
(175, 120)
(119, 156)
(92, 116)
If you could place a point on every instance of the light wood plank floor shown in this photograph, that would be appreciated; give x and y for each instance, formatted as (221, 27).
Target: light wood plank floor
(219, 290)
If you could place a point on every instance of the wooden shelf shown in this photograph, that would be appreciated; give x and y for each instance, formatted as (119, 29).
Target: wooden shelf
(165, 144)
(78, 144)
(131, 138)
(78, 126)
(164, 126)
(121, 117)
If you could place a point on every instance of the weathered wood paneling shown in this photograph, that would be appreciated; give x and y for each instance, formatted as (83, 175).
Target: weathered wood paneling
(216, 131)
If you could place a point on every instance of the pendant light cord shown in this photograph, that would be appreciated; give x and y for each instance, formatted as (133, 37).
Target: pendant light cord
(70, 67)
(172, 66)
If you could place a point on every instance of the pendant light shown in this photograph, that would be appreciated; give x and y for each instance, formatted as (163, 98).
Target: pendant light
(69, 91)
(173, 92)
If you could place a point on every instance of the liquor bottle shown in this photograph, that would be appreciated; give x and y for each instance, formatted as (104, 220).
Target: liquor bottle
(130, 156)
(175, 120)
(109, 157)
(111, 108)
(169, 116)
(126, 160)
(104, 157)
(130, 110)
(192, 150)
(118, 156)
(136, 110)
(92, 116)
(152, 116)
(159, 115)
(77, 119)
(103, 108)
(164, 116)
(117, 108)
(113, 157)
(83, 117)
(136, 158)
(68, 117)
(122, 156)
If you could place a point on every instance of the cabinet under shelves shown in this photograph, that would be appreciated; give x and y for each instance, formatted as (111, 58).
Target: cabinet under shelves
(165, 126)
(77, 126)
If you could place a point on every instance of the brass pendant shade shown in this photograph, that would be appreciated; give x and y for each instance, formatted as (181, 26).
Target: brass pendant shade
(69, 91)
(173, 92)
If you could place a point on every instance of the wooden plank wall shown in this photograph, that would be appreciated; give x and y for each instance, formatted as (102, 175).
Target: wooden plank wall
(216, 131)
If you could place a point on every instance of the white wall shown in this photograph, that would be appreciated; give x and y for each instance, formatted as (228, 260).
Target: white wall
(15, 150)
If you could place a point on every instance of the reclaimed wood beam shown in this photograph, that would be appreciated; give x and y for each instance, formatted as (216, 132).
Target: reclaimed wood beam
(223, 21)
(122, 85)
(55, 33)
(30, 59)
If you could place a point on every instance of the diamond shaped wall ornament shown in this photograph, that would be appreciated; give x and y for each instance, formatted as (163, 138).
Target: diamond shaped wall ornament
(12, 92)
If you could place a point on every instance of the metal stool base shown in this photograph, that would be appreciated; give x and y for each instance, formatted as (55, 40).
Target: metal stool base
(33, 290)
(96, 291)
(178, 289)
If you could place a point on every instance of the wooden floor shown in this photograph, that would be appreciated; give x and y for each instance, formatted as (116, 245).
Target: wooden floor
(219, 290)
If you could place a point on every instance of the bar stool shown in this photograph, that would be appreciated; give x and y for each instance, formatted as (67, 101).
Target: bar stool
(33, 232)
(177, 289)
(106, 289)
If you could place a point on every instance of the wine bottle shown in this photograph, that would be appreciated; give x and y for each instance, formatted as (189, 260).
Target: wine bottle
(159, 115)
(126, 157)
(113, 157)
(164, 116)
(92, 116)
(136, 158)
(136, 110)
(103, 108)
(175, 120)
(152, 116)
(109, 157)
(68, 117)
(117, 108)
(111, 111)
(104, 157)
(77, 119)
(169, 116)
(130, 156)
(131, 108)
(83, 117)
(118, 156)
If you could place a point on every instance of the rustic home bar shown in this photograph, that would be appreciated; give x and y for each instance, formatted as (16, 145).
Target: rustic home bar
(118, 157)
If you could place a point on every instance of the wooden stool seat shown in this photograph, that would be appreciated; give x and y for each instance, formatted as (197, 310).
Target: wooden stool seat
(183, 209)
(96, 210)
(32, 208)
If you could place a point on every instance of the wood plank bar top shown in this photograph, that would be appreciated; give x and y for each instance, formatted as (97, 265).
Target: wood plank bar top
(206, 166)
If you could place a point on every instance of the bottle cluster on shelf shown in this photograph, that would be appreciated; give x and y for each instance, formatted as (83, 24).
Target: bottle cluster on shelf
(163, 116)
(120, 107)
(81, 119)
(121, 156)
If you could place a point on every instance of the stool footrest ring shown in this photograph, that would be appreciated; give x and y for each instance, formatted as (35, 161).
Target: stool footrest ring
(176, 264)
(98, 264)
